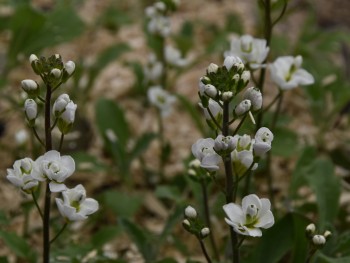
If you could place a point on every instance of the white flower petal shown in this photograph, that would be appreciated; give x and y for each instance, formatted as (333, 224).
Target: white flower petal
(234, 213)
(266, 221)
(56, 187)
(251, 199)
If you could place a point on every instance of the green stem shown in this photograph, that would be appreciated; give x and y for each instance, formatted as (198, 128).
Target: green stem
(47, 204)
(37, 136)
(213, 118)
(59, 233)
(207, 218)
(204, 250)
(229, 180)
(37, 205)
(273, 101)
(310, 255)
(61, 142)
(41, 99)
(162, 59)
(162, 145)
(281, 14)
(54, 124)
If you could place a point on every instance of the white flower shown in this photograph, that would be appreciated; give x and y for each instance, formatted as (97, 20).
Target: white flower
(154, 69)
(190, 212)
(203, 150)
(255, 96)
(251, 50)
(54, 167)
(173, 57)
(68, 115)
(230, 61)
(159, 25)
(30, 109)
(69, 67)
(161, 99)
(21, 175)
(75, 206)
(287, 74)
(262, 142)
(242, 157)
(223, 143)
(243, 107)
(214, 108)
(254, 214)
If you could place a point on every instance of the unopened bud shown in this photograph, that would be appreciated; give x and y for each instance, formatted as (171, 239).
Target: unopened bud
(212, 68)
(245, 76)
(318, 240)
(227, 95)
(31, 111)
(33, 58)
(56, 73)
(190, 212)
(195, 163)
(192, 172)
(210, 90)
(69, 67)
(243, 107)
(327, 234)
(205, 232)
(230, 61)
(30, 87)
(255, 96)
(310, 229)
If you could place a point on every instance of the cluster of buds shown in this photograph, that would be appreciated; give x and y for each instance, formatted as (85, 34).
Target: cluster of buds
(222, 84)
(244, 151)
(53, 73)
(317, 240)
(193, 224)
(157, 14)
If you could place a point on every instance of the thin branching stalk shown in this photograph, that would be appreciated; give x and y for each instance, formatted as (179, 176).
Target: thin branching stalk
(310, 255)
(214, 119)
(240, 124)
(61, 142)
(162, 144)
(37, 136)
(59, 233)
(37, 206)
(207, 218)
(204, 250)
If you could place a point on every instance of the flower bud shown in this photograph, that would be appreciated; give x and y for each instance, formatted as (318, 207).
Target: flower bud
(66, 120)
(195, 163)
(187, 225)
(255, 96)
(245, 76)
(60, 104)
(318, 240)
(31, 87)
(243, 107)
(192, 172)
(212, 68)
(31, 111)
(224, 144)
(310, 229)
(327, 234)
(210, 90)
(68, 71)
(56, 73)
(190, 212)
(230, 61)
(33, 58)
(227, 95)
(205, 232)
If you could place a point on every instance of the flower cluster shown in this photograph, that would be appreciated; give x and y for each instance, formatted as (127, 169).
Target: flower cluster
(285, 71)
(51, 167)
(317, 240)
(244, 150)
(158, 20)
(193, 224)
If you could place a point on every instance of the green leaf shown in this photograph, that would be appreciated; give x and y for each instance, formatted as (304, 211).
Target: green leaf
(141, 145)
(168, 192)
(139, 86)
(104, 235)
(326, 186)
(87, 162)
(184, 40)
(191, 109)
(324, 259)
(109, 116)
(107, 56)
(301, 169)
(172, 221)
(285, 142)
(274, 243)
(18, 245)
(122, 204)
(3, 260)
(142, 240)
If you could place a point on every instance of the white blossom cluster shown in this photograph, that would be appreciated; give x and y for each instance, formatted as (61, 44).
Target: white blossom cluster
(26, 174)
(285, 71)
